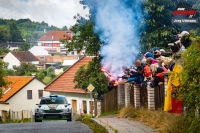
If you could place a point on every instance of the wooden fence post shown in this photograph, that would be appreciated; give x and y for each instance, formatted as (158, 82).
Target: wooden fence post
(136, 95)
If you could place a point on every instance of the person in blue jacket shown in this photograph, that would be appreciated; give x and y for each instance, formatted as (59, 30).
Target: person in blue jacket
(138, 78)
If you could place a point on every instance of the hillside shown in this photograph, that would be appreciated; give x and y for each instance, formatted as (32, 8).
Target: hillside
(30, 30)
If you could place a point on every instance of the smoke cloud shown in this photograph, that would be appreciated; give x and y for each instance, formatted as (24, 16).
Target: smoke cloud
(119, 22)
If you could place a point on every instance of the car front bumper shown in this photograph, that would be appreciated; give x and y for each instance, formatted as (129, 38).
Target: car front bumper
(53, 116)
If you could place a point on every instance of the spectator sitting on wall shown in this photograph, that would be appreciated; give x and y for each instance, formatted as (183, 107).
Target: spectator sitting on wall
(138, 79)
(158, 78)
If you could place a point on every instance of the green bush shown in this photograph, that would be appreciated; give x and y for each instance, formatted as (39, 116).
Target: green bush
(190, 83)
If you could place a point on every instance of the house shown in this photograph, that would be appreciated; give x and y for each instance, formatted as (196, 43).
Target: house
(51, 41)
(15, 58)
(69, 62)
(11, 45)
(63, 85)
(23, 93)
(41, 54)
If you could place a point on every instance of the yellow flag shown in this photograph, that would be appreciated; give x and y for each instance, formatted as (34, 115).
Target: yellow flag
(174, 79)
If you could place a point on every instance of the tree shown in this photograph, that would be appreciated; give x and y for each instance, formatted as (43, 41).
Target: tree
(190, 84)
(157, 29)
(92, 74)
(3, 50)
(10, 72)
(25, 46)
(4, 34)
(84, 39)
(3, 81)
(15, 34)
(25, 69)
(41, 74)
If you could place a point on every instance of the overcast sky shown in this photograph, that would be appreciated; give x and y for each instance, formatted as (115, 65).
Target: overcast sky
(54, 12)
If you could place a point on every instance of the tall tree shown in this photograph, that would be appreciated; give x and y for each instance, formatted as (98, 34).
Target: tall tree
(3, 50)
(84, 39)
(15, 34)
(25, 69)
(157, 29)
(25, 46)
(4, 34)
(3, 81)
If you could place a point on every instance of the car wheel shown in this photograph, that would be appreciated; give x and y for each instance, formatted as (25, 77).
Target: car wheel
(70, 117)
(36, 120)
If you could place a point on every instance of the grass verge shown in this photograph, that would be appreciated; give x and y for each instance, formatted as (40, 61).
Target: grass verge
(96, 128)
(162, 121)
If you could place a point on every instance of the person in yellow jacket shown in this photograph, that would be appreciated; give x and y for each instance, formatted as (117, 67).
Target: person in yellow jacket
(174, 80)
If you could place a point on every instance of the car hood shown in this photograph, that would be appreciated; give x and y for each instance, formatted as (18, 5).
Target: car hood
(52, 106)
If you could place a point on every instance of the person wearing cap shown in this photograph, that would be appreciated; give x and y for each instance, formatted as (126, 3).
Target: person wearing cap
(185, 39)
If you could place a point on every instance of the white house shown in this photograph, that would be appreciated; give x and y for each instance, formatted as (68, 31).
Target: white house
(15, 58)
(39, 51)
(51, 41)
(23, 93)
(64, 85)
(69, 62)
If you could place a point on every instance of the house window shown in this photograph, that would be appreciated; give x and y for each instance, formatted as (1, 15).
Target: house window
(29, 94)
(14, 66)
(40, 94)
(42, 58)
(84, 107)
(72, 53)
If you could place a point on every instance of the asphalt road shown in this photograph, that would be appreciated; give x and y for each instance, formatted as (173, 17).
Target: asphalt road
(46, 127)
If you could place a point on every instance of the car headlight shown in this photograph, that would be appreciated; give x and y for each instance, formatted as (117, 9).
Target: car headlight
(66, 110)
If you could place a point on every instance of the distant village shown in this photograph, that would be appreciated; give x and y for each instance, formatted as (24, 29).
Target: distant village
(25, 92)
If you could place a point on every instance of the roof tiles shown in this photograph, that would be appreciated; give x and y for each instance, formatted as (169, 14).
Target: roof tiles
(17, 83)
(64, 83)
(56, 35)
(24, 56)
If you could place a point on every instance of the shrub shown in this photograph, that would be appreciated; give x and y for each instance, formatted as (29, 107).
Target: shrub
(190, 83)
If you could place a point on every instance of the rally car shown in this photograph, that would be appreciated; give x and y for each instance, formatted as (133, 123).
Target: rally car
(53, 107)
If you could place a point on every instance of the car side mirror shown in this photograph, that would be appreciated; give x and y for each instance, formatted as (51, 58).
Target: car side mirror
(67, 104)
(38, 105)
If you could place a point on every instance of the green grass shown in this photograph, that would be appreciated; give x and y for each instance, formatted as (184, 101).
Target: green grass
(96, 128)
(110, 113)
(17, 121)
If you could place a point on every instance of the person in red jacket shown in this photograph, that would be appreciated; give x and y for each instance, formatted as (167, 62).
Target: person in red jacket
(158, 78)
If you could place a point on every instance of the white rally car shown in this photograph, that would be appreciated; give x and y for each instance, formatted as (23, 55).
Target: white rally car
(53, 107)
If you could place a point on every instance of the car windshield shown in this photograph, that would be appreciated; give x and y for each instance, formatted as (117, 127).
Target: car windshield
(53, 100)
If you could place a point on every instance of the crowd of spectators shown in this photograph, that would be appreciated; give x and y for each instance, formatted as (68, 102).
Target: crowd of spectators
(151, 67)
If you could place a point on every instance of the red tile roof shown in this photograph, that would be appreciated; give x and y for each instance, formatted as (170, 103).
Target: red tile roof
(17, 83)
(24, 56)
(64, 83)
(57, 35)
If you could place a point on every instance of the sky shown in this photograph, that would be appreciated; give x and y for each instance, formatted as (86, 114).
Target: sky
(58, 13)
